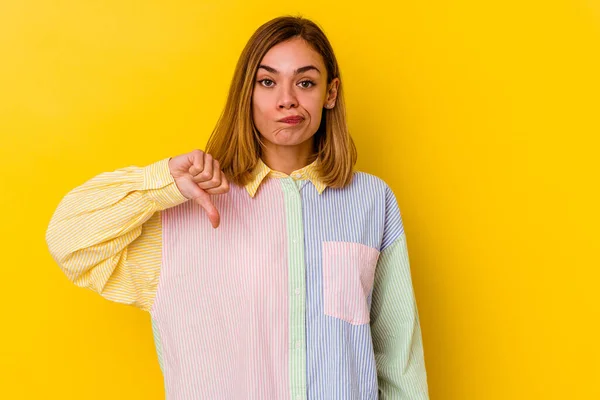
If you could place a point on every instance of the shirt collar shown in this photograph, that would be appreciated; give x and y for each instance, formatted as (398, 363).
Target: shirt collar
(262, 170)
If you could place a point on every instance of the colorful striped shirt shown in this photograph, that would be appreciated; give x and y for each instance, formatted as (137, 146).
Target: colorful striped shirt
(302, 292)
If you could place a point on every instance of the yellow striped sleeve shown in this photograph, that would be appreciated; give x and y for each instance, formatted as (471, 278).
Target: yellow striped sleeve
(106, 234)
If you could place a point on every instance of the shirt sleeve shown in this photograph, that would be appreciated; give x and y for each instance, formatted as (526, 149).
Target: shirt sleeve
(395, 326)
(106, 234)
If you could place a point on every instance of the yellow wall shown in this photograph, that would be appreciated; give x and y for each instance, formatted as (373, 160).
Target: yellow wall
(484, 119)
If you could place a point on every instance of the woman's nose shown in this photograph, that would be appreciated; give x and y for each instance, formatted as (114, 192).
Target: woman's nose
(287, 99)
(287, 104)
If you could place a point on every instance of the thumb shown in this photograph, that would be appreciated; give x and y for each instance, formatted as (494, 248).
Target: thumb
(203, 199)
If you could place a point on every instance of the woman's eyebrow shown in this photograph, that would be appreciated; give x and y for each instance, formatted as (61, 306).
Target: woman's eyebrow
(296, 72)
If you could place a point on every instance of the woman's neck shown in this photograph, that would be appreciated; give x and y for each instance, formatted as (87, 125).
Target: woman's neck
(287, 159)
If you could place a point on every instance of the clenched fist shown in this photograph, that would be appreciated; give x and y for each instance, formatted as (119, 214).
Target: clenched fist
(197, 175)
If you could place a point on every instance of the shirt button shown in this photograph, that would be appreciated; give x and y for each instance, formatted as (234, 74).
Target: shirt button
(159, 182)
(298, 344)
(294, 240)
(297, 175)
(299, 397)
(297, 291)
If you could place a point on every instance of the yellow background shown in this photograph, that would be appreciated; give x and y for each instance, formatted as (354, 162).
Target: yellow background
(483, 117)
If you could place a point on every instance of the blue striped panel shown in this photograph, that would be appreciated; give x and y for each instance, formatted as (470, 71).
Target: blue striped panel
(340, 359)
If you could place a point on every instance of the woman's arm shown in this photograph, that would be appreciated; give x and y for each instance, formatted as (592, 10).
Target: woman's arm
(106, 234)
(395, 328)
(394, 317)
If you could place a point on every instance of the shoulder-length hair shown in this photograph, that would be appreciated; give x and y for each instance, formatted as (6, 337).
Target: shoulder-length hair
(235, 142)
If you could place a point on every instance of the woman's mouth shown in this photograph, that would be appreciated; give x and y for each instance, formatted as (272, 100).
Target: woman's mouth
(292, 120)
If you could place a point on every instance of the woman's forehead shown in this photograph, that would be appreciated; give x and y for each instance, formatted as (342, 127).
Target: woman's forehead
(291, 55)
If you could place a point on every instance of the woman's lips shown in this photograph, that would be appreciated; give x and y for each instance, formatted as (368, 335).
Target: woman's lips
(292, 120)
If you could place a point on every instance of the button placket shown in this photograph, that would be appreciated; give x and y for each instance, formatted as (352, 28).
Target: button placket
(296, 284)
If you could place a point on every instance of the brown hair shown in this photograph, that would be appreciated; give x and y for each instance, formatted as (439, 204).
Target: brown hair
(235, 142)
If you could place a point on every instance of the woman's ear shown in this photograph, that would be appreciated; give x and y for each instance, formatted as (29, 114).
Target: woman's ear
(332, 91)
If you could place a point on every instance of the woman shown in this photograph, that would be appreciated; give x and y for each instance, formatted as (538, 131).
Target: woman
(270, 268)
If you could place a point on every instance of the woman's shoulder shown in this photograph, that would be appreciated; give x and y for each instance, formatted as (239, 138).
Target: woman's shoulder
(366, 179)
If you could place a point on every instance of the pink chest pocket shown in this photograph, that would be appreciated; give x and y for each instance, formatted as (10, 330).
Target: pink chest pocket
(348, 277)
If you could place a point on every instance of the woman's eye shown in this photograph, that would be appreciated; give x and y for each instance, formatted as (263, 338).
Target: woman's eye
(311, 83)
(265, 80)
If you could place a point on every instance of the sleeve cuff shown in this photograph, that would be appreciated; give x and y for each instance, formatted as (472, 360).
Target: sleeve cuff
(160, 185)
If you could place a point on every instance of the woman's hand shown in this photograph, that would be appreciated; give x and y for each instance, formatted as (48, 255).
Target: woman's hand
(198, 175)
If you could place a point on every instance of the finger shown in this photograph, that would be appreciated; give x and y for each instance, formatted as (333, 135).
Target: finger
(208, 165)
(222, 188)
(197, 163)
(215, 181)
(205, 202)
(207, 172)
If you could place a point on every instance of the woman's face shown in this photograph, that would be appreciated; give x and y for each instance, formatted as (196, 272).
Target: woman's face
(291, 81)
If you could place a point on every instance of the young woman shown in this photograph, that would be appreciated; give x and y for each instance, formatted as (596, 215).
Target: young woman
(271, 269)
